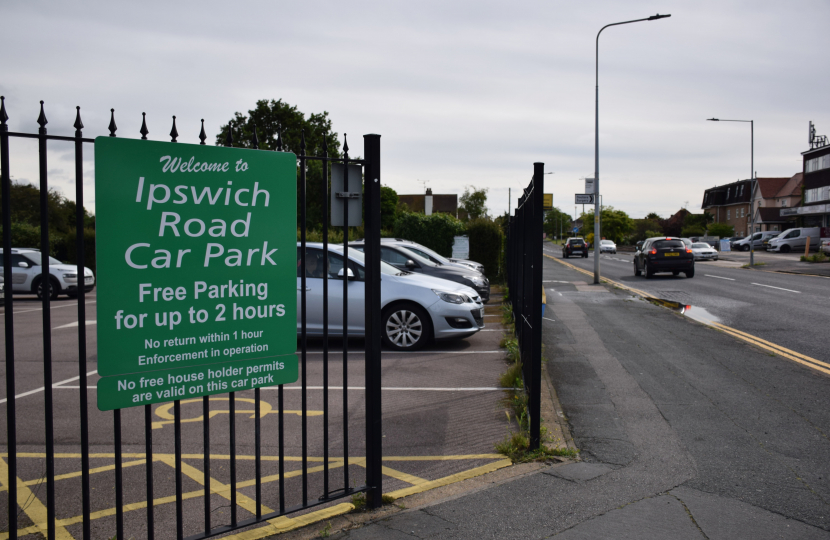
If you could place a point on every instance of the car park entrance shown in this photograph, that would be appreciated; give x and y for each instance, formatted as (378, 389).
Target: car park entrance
(264, 471)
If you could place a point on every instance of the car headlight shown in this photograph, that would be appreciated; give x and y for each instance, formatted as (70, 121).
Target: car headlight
(477, 280)
(70, 277)
(452, 298)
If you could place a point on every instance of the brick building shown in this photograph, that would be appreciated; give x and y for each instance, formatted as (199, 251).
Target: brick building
(730, 204)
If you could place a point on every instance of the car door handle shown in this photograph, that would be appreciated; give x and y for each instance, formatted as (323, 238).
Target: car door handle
(307, 288)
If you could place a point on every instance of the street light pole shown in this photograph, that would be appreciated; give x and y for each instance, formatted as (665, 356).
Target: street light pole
(596, 142)
(752, 182)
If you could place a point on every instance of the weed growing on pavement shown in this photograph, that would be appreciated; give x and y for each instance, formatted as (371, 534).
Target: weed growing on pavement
(747, 265)
(359, 501)
(817, 258)
(326, 532)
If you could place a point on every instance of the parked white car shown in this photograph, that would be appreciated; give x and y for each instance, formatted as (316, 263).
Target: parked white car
(607, 246)
(704, 252)
(415, 308)
(63, 278)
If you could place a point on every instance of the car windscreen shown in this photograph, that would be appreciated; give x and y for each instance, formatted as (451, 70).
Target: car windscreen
(607, 242)
(575, 243)
(668, 244)
(426, 252)
(415, 257)
(701, 245)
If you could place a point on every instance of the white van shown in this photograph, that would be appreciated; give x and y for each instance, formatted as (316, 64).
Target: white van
(796, 240)
(757, 240)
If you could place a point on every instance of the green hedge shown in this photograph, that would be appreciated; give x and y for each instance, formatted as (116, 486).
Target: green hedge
(486, 246)
(61, 245)
(436, 231)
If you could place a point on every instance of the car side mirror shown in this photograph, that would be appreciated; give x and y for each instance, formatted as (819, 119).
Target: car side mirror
(23, 264)
(410, 264)
(349, 274)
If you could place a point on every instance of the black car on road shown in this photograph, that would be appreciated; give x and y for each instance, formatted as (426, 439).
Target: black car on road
(664, 254)
(574, 247)
(409, 261)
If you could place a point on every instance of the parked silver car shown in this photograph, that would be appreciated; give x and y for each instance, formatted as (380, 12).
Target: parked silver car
(416, 308)
(704, 252)
(63, 278)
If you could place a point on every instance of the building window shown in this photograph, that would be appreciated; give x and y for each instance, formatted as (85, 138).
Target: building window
(817, 164)
(775, 227)
(727, 214)
(817, 194)
(727, 192)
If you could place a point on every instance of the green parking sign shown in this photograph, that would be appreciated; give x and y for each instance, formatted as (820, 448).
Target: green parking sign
(196, 259)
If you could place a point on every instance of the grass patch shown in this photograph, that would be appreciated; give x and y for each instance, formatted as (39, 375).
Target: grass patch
(747, 265)
(817, 258)
(326, 532)
(359, 501)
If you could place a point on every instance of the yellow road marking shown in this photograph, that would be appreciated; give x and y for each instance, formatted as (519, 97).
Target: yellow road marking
(67, 476)
(743, 336)
(451, 479)
(402, 476)
(276, 525)
(31, 505)
(163, 411)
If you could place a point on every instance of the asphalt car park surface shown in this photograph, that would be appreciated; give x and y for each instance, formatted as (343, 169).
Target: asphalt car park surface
(441, 418)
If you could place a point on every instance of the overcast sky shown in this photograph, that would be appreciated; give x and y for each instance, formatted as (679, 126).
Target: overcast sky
(463, 93)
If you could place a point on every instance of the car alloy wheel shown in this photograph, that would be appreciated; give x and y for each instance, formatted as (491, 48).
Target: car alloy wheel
(406, 328)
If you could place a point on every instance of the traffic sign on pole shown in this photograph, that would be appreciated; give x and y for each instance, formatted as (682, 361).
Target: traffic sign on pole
(584, 198)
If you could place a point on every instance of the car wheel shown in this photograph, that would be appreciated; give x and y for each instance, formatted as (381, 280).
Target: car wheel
(785, 248)
(744, 248)
(690, 273)
(54, 289)
(637, 271)
(585, 256)
(649, 273)
(406, 327)
(564, 255)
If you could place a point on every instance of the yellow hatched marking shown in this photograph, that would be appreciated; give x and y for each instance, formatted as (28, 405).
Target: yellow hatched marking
(67, 476)
(31, 505)
(217, 487)
(777, 351)
(778, 347)
(276, 525)
(402, 476)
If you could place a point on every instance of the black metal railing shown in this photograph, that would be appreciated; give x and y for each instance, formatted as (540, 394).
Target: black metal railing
(94, 485)
(524, 280)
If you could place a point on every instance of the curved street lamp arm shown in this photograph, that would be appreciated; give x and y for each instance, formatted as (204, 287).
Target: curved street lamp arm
(652, 18)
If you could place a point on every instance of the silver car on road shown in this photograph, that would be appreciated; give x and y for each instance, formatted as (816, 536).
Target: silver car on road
(415, 308)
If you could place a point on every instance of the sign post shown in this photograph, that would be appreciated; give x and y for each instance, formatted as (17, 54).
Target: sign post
(196, 256)
(584, 198)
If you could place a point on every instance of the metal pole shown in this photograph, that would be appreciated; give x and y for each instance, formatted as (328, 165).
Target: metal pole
(752, 193)
(596, 141)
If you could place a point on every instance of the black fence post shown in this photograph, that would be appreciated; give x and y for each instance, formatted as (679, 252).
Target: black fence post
(374, 437)
(535, 237)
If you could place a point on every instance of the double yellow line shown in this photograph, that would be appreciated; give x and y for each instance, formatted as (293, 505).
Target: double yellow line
(743, 336)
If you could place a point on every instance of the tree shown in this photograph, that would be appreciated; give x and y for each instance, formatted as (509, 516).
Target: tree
(556, 221)
(653, 215)
(721, 230)
(25, 208)
(275, 119)
(388, 207)
(474, 202)
(615, 224)
(646, 228)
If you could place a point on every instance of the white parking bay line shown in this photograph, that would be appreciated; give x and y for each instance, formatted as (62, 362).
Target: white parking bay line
(779, 288)
(73, 324)
(719, 277)
(56, 385)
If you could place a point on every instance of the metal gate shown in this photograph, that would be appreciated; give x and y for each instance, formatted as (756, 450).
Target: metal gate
(524, 281)
(58, 479)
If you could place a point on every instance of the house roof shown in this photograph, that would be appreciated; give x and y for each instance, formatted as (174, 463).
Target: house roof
(792, 187)
(770, 186)
(770, 214)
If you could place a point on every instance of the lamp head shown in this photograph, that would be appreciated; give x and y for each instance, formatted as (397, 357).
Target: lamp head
(713, 119)
(658, 16)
